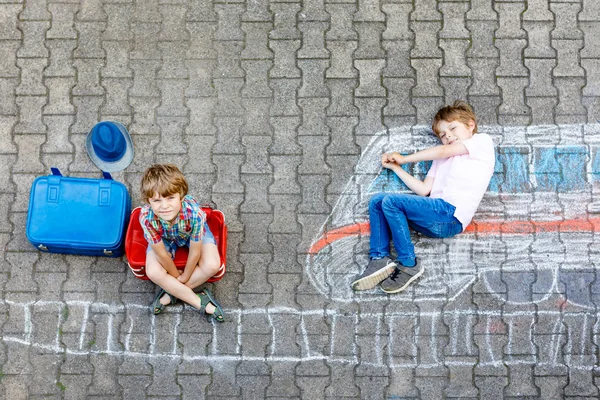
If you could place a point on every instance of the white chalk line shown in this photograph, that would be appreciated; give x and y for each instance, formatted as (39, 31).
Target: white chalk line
(380, 359)
(283, 359)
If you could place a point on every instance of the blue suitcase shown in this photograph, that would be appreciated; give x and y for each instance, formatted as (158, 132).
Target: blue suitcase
(78, 215)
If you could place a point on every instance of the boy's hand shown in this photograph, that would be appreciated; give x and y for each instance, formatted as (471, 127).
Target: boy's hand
(388, 160)
(183, 278)
(397, 158)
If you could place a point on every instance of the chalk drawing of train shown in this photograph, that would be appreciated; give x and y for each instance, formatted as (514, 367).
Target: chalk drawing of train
(537, 218)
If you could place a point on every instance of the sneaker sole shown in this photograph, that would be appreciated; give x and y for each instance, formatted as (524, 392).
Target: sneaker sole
(411, 280)
(369, 282)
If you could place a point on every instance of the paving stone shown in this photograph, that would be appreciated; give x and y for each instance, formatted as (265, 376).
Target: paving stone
(397, 27)
(568, 90)
(257, 121)
(284, 63)
(33, 39)
(461, 383)
(172, 29)
(255, 186)
(454, 58)
(9, 27)
(284, 97)
(491, 387)
(426, 40)
(172, 91)
(58, 96)
(256, 43)
(341, 27)
(89, 39)
(590, 34)
(426, 11)
(60, 62)
(341, 383)
(508, 13)
(228, 97)
(104, 379)
(342, 104)
(509, 48)
(454, 21)
(313, 34)
(284, 174)
(8, 105)
(542, 110)
(88, 77)
(29, 153)
(369, 78)
(592, 87)
(482, 39)
(566, 66)
(31, 72)
(8, 58)
(63, 16)
(258, 162)
(58, 134)
(313, 116)
(284, 24)
(91, 10)
(369, 46)
(426, 68)
(313, 78)
(514, 87)
(7, 145)
(145, 43)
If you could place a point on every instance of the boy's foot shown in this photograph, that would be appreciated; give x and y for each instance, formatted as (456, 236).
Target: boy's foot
(210, 306)
(161, 300)
(376, 271)
(401, 278)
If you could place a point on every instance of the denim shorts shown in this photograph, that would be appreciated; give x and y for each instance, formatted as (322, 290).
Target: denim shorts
(208, 238)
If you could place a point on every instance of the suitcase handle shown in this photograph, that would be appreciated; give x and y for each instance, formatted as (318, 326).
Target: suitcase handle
(54, 187)
(210, 204)
(56, 172)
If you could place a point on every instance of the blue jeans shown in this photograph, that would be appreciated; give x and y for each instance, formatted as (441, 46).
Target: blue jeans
(395, 212)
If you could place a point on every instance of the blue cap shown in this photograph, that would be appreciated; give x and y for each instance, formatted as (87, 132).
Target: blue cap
(109, 146)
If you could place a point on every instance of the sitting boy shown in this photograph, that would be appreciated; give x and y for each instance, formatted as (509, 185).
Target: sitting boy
(170, 219)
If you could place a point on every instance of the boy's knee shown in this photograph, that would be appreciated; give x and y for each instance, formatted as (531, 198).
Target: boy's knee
(212, 265)
(151, 273)
(392, 203)
(376, 201)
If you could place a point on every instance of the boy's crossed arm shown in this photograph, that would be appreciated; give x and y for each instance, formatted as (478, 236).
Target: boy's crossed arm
(393, 161)
(164, 258)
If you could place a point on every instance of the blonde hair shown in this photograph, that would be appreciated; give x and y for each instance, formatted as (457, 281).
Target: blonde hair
(459, 111)
(164, 179)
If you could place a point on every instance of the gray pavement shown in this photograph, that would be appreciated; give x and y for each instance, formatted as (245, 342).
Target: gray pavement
(277, 112)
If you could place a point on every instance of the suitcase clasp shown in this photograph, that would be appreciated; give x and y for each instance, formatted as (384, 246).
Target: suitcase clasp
(42, 247)
(108, 252)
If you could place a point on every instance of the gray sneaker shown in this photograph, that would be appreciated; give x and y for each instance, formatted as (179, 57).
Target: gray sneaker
(376, 271)
(401, 278)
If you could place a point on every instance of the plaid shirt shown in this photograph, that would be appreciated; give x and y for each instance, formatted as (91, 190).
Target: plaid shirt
(189, 225)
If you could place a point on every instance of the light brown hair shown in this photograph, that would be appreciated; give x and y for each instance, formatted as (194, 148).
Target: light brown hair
(459, 111)
(164, 179)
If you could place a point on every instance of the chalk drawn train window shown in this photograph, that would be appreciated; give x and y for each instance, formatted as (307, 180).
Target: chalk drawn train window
(535, 227)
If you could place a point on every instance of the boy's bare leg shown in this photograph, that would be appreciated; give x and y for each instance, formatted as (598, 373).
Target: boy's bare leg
(159, 276)
(208, 266)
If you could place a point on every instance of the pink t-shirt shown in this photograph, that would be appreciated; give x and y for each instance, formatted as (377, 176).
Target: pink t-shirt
(463, 180)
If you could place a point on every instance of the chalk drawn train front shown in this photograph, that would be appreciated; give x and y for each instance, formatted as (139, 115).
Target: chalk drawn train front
(535, 228)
